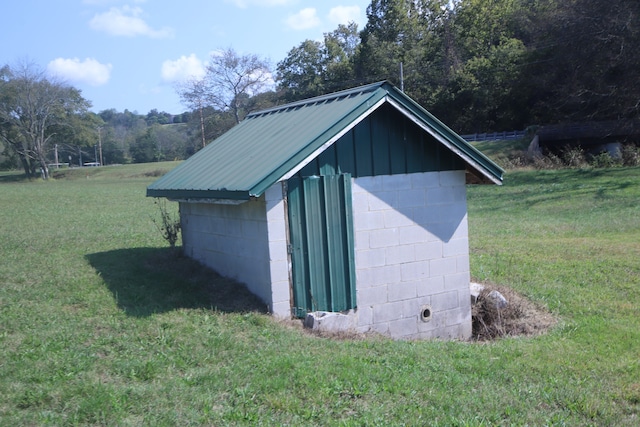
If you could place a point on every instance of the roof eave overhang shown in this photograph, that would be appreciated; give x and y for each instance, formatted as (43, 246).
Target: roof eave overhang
(421, 117)
(199, 194)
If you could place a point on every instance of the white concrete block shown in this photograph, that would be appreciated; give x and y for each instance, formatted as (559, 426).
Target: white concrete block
(384, 238)
(451, 178)
(371, 296)
(430, 286)
(361, 240)
(445, 301)
(387, 312)
(396, 182)
(428, 250)
(401, 291)
(425, 180)
(399, 254)
(412, 198)
(367, 221)
(394, 218)
(413, 234)
(370, 258)
(371, 184)
(412, 271)
(455, 247)
(386, 275)
(442, 267)
(383, 201)
(403, 328)
(280, 292)
(365, 315)
(458, 281)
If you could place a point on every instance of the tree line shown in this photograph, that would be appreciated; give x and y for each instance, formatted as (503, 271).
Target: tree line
(478, 65)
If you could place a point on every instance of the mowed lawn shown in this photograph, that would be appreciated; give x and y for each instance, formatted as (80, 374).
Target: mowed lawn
(100, 324)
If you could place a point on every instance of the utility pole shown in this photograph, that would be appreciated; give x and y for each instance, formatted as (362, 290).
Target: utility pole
(100, 145)
(401, 78)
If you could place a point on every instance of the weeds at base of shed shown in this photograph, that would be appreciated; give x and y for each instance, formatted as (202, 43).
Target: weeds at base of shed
(520, 317)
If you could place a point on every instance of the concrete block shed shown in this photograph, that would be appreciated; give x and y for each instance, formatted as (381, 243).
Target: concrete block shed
(353, 202)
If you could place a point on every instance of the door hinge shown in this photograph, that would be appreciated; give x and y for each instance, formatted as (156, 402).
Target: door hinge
(289, 249)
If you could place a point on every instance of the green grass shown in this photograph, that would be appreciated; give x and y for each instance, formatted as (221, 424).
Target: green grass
(101, 325)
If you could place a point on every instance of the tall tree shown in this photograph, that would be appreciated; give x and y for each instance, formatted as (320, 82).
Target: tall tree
(33, 108)
(314, 68)
(232, 78)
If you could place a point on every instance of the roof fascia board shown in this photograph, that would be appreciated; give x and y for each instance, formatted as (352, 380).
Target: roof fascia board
(198, 194)
(437, 130)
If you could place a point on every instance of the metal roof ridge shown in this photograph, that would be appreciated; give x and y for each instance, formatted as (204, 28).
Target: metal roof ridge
(319, 99)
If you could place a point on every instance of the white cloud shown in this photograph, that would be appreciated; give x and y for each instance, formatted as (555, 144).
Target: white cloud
(126, 21)
(303, 20)
(344, 14)
(182, 69)
(267, 3)
(88, 71)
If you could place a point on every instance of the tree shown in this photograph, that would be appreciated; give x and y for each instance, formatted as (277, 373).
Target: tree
(314, 68)
(232, 78)
(33, 109)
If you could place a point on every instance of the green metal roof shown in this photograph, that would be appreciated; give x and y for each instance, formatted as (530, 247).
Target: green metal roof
(268, 145)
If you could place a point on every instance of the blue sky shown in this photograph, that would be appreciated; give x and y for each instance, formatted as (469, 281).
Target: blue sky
(127, 54)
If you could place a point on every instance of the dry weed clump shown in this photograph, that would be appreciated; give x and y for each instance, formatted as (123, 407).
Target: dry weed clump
(519, 317)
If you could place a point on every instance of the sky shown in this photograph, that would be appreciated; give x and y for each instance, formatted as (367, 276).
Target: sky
(129, 54)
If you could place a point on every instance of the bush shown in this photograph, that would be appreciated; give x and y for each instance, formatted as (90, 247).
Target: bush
(630, 155)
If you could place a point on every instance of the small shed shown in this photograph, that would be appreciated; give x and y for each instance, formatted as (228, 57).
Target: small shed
(351, 203)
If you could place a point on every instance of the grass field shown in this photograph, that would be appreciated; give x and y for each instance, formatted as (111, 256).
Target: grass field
(100, 324)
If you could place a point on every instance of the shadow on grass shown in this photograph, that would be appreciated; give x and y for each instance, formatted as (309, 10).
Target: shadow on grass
(145, 281)
(7, 177)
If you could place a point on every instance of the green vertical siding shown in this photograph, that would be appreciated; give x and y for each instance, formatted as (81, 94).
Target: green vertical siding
(384, 143)
(321, 234)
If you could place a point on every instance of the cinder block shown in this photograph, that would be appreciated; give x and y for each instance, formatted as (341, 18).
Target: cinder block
(451, 178)
(428, 250)
(367, 221)
(387, 312)
(462, 264)
(404, 328)
(401, 291)
(413, 271)
(455, 247)
(396, 182)
(413, 234)
(442, 267)
(412, 198)
(370, 258)
(458, 281)
(280, 292)
(371, 296)
(360, 202)
(365, 315)
(382, 201)
(395, 218)
(370, 184)
(281, 309)
(399, 254)
(425, 180)
(430, 286)
(445, 301)
(384, 238)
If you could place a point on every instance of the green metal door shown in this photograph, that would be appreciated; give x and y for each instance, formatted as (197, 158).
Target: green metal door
(321, 238)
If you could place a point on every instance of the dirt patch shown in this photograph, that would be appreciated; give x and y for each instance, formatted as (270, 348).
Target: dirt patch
(520, 317)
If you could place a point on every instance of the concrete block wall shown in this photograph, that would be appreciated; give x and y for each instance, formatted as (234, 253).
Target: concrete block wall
(278, 257)
(246, 242)
(230, 239)
(412, 256)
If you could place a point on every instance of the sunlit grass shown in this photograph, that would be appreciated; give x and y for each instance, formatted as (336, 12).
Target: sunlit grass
(101, 325)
